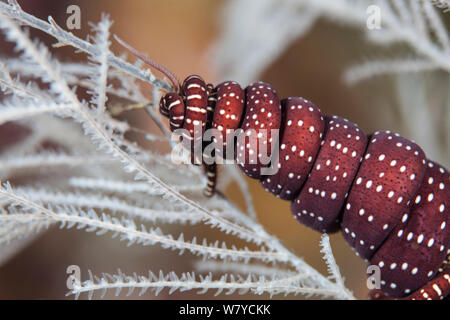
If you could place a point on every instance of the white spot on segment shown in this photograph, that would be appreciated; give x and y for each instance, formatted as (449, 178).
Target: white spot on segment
(418, 198)
(333, 195)
(379, 188)
(369, 184)
(414, 270)
(420, 239)
(430, 197)
(437, 289)
(193, 85)
(174, 104)
(381, 157)
(194, 96)
(404, 266)
(430, 243)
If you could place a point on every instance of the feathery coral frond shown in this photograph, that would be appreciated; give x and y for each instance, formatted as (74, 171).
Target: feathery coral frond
(138, 192)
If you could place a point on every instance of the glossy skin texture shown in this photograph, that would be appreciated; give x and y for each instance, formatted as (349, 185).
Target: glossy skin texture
(228, 111)
(391, 203)
(381, 192)
(437, 288)
(319, 203)
(300, 140)
(262, 114)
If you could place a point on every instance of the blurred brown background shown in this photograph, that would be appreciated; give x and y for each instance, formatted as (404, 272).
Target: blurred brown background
(178, 35)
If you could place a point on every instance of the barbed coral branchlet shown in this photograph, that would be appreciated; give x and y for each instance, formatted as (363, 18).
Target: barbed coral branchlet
(94, 139)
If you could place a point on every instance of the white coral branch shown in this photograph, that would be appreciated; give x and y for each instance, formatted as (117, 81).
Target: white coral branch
(68, 38)
(29, 209)
(188, 281)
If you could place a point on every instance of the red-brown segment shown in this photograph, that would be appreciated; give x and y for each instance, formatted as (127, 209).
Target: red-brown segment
(163, 109)
(196, 100)
(228, 113)
(262, 114)
(174, 105)
(320, 202)
(414, 251)
(302, 131)
(389, 176)
(436, 289)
